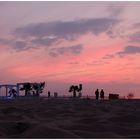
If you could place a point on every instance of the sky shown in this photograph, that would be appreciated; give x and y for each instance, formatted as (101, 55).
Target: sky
(64, 43)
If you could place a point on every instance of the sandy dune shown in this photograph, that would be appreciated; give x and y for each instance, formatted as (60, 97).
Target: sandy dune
(73, 118)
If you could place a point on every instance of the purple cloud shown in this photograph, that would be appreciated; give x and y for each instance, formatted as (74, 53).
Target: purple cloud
(135, 37)
(75, 50)
(47, 34)
(67, 29)
(127, 51)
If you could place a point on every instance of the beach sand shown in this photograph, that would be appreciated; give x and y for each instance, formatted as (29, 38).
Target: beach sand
(69, 118)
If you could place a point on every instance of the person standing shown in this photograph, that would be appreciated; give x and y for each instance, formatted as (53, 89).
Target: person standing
(49, 94)
(102, 94)
(97, 94)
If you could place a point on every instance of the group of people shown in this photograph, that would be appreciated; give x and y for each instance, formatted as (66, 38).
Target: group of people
(99, 94)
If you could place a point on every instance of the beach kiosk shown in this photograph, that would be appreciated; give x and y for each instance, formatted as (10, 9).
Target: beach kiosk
(113, 96)
(34, 88)
(8, 88)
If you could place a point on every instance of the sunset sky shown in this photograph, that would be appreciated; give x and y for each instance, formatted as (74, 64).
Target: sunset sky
(64, 43)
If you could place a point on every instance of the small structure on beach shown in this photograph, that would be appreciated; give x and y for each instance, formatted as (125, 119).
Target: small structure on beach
(55, 94)
(130, 95)
(113, 96)
(8, 88)
(33, 89)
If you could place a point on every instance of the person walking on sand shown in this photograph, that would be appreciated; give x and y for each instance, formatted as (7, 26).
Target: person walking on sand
(97, 94)
(102, 94)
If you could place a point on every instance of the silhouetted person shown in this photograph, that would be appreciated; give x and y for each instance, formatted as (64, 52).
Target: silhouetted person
(49, 94)
(102, 94)
(97, 94)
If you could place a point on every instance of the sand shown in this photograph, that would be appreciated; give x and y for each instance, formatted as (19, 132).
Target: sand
(69, 118)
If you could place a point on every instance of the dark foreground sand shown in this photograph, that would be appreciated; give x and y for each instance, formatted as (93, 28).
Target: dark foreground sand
(73, 118)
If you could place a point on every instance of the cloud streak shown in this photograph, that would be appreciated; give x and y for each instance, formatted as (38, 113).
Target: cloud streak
(75, 50)
(38, 35)
(128, 50)
(66, 29)
(135, 37)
